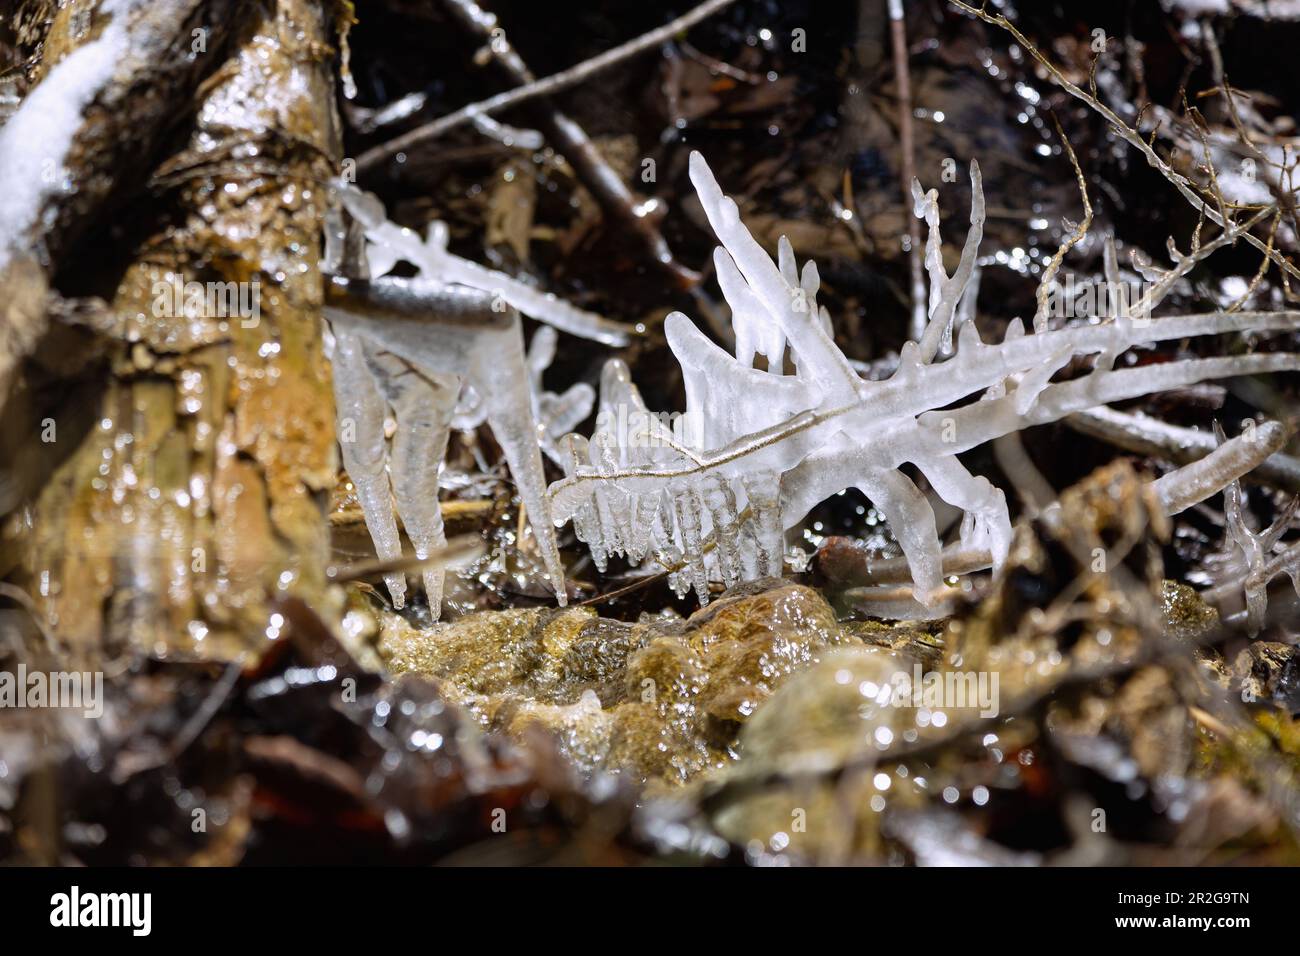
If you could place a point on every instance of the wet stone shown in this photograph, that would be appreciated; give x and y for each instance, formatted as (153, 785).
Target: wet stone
(663, 701)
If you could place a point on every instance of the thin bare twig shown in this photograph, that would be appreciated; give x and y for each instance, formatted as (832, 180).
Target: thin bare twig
(569, 139)
(1081, 230)
(907, 145)
(545, 87)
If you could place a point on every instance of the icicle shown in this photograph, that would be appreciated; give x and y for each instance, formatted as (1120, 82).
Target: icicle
(688, 522)
(947, 291)
(360, 412)
(723, 516)
(763, 494)
(643, 509)
(423, 408)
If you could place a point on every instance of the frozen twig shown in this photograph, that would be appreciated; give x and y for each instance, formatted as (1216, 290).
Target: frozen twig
(778, 444)
(456, 337)
(390, 244)
(1143, 435)
(1192, 483)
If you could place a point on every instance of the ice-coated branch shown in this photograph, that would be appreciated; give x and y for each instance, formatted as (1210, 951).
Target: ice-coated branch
(1144, 435)
(756, 449)
(390, 243)
(1259, 558)
(1192, 483)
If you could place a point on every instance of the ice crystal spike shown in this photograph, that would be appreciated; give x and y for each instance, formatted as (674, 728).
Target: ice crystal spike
(360, 413)
(556, 414)
(756, 449)
(947, 292)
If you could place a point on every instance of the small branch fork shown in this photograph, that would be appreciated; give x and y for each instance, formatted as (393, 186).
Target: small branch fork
(548, 86)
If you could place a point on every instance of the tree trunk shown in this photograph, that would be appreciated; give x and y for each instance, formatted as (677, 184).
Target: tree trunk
(199, 492)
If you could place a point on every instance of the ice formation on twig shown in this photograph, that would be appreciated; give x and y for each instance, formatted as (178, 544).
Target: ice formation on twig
(556, 414)
(1144, 435)
(392, 351)
(1253, 558)
(443, 349)
(1257, 552)
(759, 448)
(1194, 482)
(390, 243)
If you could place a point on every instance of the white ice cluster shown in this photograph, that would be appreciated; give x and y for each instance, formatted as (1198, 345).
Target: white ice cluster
(712, 501)
(1257, 557)
(440, 372)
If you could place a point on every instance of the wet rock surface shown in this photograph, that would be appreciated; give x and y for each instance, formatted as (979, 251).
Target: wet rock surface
(663, 701)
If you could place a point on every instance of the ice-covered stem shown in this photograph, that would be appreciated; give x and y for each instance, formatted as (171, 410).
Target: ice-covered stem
(391, 243)
(1144, 435)
(915, 390)
(1192, 483)
(458, 326)
(823, 429)
(982, 421)
(946, 291)
(1257, 554)
(1162, 283)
